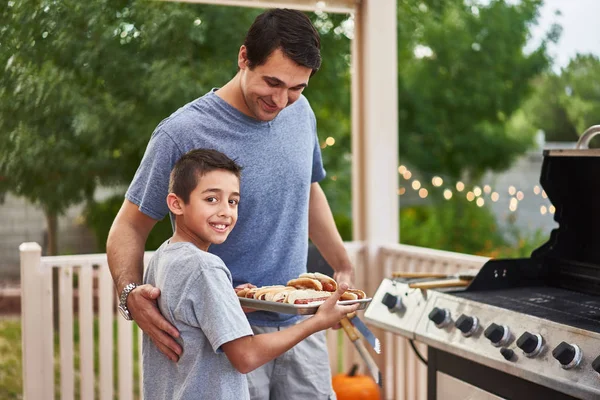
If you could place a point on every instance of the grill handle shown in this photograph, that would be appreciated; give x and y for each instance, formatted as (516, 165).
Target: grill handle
(584, 140)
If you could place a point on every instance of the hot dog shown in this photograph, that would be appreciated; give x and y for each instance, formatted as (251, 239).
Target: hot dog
(305, 283)
(329, 284)
(306, 296)
(353, 294)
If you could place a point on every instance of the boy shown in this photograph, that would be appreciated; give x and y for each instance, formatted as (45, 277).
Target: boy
(197, 296)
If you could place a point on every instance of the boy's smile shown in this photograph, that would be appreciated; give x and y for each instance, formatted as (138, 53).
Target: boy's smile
(211, 212)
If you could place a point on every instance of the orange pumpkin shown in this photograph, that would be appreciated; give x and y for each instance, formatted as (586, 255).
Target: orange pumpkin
(353, 386)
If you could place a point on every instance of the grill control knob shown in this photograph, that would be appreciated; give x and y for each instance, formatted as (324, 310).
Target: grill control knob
(499, 335)
(440, 317)
(596, 364)
(467, 325)
(568, 355)
(392, 302)
(530, 344)
(507, 353)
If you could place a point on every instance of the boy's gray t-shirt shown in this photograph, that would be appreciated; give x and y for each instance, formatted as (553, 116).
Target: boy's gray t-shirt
(281, 159)
(198, 299)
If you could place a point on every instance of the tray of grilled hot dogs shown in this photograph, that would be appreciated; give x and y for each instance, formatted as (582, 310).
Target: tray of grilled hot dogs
(302, 295)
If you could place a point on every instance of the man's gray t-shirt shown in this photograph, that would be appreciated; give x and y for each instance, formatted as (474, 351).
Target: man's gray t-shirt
(281, 159)
(196, 297)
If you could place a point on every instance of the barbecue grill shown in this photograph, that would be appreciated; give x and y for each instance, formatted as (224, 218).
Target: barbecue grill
(523, 328)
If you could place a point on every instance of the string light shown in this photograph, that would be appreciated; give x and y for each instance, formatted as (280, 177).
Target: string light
(330, 141)
(476, 194)
(437, 181)
(520, 195)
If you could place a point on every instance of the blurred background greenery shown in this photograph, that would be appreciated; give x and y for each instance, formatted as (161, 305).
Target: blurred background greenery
(85, 83)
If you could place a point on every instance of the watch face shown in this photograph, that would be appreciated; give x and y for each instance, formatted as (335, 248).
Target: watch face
(124, 313)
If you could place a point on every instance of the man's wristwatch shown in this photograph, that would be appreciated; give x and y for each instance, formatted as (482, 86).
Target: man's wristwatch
(123, 301)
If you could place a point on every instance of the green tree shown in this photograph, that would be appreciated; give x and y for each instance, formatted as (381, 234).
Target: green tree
(462, 74)
(86, 83)
(563, 105)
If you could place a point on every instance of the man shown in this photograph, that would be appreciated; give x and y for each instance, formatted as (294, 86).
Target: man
(260, 119)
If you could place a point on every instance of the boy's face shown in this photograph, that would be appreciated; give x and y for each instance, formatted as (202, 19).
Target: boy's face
(269, 88)
(213, 208)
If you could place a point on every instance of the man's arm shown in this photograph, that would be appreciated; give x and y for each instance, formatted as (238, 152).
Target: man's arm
(324, 234)
(125, 252)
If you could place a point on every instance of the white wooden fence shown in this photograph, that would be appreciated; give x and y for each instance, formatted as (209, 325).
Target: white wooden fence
(76, 372)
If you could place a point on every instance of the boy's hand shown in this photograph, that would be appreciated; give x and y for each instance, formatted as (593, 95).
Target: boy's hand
(244, 286)
(330, 313)
(144, 310)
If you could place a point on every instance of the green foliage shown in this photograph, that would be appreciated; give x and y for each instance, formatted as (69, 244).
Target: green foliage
(460, 226)
(100, 215)
(472, 75)
(564, 105)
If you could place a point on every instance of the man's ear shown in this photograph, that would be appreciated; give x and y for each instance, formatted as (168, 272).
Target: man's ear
(175, 204)
(243, 57)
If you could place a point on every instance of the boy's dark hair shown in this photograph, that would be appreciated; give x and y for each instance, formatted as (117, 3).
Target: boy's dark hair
(195, 164)
(289, 30)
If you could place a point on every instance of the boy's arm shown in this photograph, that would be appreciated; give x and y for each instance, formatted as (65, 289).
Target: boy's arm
(250, 352)
(324, 234)
(125, 252)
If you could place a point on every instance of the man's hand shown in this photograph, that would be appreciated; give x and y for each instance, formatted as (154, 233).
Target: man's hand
(345, 276)
(144, 310)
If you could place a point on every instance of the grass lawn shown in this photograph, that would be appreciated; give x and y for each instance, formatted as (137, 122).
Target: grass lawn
(11, 382)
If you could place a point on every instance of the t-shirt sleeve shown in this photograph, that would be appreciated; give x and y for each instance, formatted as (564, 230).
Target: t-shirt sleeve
(215, 308)
(318, 171)
(150, 185)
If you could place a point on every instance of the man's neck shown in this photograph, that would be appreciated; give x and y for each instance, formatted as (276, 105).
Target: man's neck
(232, 94)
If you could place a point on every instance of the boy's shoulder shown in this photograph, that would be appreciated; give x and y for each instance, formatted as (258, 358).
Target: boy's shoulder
(187, 255)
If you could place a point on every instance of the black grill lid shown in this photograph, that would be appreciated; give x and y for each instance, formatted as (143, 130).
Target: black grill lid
(570, 259)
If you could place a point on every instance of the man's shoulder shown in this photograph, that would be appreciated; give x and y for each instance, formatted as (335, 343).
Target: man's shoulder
(189, 116)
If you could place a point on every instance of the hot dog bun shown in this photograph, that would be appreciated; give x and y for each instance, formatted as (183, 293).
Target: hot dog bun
(328, 283)
(305, 283)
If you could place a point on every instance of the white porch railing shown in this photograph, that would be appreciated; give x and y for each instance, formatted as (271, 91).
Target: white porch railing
(404, 376)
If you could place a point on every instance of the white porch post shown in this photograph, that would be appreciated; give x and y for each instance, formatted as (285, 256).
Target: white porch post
(36, 324)
(375, 123)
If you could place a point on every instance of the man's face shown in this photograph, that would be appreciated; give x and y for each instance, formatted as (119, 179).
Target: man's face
(269, 88)
(212, 210)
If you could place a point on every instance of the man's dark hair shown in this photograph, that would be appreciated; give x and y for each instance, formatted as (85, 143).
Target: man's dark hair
(193, 165)
(289, 30)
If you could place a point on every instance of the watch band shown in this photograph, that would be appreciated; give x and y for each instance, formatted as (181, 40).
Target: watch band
(123, 301)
